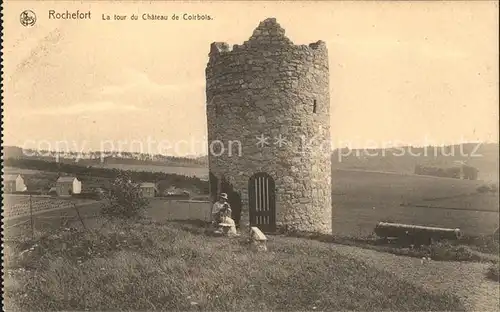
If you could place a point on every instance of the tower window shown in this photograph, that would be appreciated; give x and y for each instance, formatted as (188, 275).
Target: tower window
(315, 106)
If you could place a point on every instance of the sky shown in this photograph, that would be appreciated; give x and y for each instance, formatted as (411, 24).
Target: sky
(401, 73)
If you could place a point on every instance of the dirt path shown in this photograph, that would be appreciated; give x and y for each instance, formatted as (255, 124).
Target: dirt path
(464, 279)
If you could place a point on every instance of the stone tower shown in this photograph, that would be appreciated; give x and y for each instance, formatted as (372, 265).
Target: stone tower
(268, 107)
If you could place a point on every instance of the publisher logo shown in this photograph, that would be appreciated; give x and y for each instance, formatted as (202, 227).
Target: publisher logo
(27, 18)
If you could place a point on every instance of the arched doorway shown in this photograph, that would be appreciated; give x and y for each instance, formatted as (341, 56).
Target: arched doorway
(234, 199)
(262, 202)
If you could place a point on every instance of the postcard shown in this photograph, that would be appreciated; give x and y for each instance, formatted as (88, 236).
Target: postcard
(250, 156)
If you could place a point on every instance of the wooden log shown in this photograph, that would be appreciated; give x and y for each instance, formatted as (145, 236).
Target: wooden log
(385, 229)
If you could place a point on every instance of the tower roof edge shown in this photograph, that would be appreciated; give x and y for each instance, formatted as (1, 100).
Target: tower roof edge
(269, 31)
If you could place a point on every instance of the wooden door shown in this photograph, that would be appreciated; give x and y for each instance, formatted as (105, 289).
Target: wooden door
(262, 202)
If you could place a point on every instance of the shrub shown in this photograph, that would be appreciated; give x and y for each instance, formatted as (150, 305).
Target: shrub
(483, 188)
(125, 199)
(445, 251)
(487, 188)
(486, 243)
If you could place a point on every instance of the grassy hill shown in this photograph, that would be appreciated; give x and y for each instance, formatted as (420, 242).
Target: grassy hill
(154, 266)
(484, 157)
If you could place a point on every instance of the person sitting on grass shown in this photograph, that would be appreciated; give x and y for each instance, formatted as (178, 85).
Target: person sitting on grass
(221, 209)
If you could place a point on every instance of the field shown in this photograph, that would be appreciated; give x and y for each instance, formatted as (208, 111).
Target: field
(361, 199)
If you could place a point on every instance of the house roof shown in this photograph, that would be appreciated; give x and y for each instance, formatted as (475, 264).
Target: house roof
(66, 179)
(148, 184)
(10, 177)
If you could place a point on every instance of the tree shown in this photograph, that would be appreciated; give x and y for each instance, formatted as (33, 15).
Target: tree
(124, 199)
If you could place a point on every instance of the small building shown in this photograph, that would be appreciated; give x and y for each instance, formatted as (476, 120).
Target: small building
(13, 183)
(65, 186)
(148, 189)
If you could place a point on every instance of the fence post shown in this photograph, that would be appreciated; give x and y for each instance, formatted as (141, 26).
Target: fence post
(79, 217)
(31, 220)
(210, 215)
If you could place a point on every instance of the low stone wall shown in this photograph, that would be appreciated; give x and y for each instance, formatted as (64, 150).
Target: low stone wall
(161, 209)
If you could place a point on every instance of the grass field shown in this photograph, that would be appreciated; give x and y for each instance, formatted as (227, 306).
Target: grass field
(361, 199)
(168, 267)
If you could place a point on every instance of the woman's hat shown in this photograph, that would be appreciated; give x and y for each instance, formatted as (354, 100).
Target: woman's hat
(223, 195)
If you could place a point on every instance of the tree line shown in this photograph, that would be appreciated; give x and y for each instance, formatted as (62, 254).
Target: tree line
(462, 172)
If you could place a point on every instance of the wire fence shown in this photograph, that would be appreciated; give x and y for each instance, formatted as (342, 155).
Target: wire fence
(30, 216)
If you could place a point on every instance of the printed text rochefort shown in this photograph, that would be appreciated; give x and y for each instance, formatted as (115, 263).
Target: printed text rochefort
(75, 15)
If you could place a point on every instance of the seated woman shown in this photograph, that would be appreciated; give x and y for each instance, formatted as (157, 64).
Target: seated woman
(221, 209)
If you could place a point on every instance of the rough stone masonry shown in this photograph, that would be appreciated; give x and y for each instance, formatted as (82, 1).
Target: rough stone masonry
(270, 87)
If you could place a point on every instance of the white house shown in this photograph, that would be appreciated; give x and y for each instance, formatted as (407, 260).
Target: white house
(148, 189)
(14, 183)
(66, 186)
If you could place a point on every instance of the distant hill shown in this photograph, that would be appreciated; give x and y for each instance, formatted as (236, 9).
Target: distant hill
(103, 158)
(12, 152)
(483, 157)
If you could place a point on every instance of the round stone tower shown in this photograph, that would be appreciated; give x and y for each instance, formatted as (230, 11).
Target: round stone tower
(268, 109)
